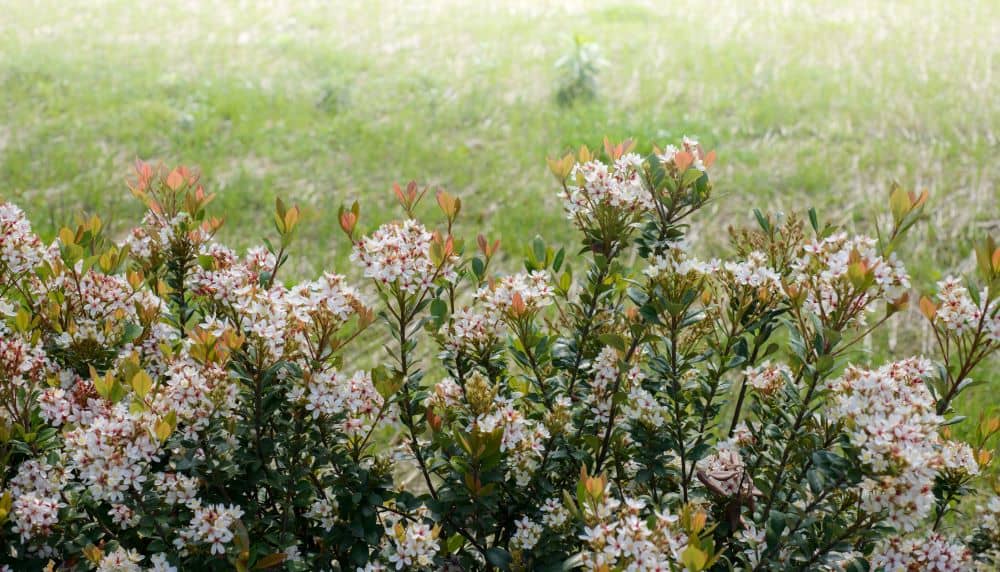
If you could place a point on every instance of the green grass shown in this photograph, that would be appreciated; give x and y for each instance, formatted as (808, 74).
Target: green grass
(807, 104)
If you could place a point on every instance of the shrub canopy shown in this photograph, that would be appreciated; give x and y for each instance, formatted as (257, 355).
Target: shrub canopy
(169, 404)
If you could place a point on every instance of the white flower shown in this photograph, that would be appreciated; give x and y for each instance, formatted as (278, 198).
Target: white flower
(20, 249)
(554, 513)
(767, 378)
(161, 564)
(532, 290)
(324, 513)
(213, 525)
(754, 272)
(894, 424)
(931, 553)
(413, 546)
(399, 253)
(121, 560)
(599, 187)
(821, 271)
(526, 534)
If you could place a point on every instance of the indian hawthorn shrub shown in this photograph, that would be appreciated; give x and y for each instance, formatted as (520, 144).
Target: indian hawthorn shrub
(169, 404)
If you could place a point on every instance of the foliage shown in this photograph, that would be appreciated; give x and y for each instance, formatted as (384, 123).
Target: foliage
(578, 72)
(168, 404)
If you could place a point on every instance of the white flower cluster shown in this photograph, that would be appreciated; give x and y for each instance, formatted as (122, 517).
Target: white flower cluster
(447, 394)
(822, 270)
(933, 553)
(122, 560)
(7, 310)
(959, 314)
(754, 543)
(324, 513)
(523, 439)
(112, 453)
(554, 513)
(754, 272)
(412, 547)
(399, 253)
(619, 187)
(264, 319)
(78, 403)
(196, 392)
(228, 279)
(893, 421)
(988, 515)
(533, 290)
(123, 516)
(149, 239)
(669, 155)
(767, 378)
(473, 331)
(526, 534)
(351, 400)
(986, 534)
(20, 249)
(177, 489)
(622, 537)
(37, 489)
(957, 456)
(213, 525)
(21, 363)
(677, 261)
(643, 407)
(605, 372)
(328, 301)
(100, 304)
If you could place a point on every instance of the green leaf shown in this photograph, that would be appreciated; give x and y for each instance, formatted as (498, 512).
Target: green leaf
(557, 263)
(813, 219)
(478, 267)
(386, 383)
(454, 543)
(499, 558)
(694, 558)
(270, 561)
(762, 220)
(899, 203)
(613, 340)
(142, 383)
(538, 250)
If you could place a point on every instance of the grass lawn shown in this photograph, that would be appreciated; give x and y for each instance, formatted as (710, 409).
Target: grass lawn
(324, 102)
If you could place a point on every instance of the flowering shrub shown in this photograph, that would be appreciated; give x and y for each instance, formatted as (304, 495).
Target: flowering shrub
(168, 404)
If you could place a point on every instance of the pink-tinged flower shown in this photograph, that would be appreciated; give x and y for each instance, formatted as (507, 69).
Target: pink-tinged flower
(399, 254)
(121, 560)
(20, 249)
(599, 187)
(892, 420)
(213, 525)
(754, 273)
(767, 378)
(519, 293)
(413, 546)
(845, 276)
(689, 154)
(933, 553)
(621, 535)
(526, 534)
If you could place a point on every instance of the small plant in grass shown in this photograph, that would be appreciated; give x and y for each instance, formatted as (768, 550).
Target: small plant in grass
(168, 404)
(578, 71)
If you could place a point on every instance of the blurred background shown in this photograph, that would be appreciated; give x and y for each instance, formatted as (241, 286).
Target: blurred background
(807, 103)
